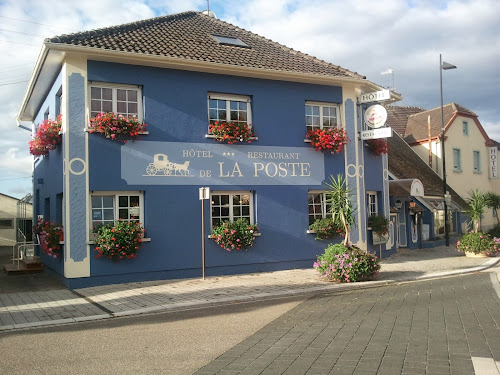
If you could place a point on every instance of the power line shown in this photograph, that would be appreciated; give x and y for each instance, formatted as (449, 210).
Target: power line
(24, 44)
(36, 23)
(20, 32)
(13, 83)
(15, 178)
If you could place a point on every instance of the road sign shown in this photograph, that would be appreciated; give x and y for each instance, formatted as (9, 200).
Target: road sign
(376, 133)
(376, 96)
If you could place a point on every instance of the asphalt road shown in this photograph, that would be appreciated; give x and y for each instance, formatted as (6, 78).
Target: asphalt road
(441, 326)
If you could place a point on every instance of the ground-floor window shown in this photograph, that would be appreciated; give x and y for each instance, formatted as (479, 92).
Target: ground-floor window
(439, 223)
(231, 206)
(108, 207)
(319, 208)
(371, 203)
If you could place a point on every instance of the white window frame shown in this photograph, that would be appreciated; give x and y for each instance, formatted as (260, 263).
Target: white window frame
(114, 87)
(325, 212)
(476, 161)
(10, 226)
(116, 195)
(322, 105)
(372, 195)
(231, 98)
(230, 205)
(457, 167)
(465, 128)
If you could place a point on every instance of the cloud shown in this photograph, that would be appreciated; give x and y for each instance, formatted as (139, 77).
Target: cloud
(13, 163)
(363, 36)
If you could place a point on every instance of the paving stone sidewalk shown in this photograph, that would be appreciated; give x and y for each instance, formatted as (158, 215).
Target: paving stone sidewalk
(33, 308)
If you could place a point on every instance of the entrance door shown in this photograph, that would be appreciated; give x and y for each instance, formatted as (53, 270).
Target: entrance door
(395, 229)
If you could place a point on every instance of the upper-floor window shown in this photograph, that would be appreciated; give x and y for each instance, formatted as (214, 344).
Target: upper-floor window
(371, 203)
(109, 207)
(318, 204)
(465, 128)
(229, 108)
(231, 206)
(457, 160)
(124, 100)
(476, 161)
(58, 102)
(322, 115)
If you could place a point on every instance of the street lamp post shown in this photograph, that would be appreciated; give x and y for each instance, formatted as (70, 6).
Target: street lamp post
(444, 66)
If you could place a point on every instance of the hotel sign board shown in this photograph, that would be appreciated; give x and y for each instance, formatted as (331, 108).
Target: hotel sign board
(376, 96)
(376, 133)
(179, 163)
(493, 160)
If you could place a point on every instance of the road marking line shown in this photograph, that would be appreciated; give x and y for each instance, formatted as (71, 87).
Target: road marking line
(485, 366)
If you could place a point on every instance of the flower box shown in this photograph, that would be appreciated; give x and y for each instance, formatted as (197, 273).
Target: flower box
(230, 132)
(117, 127)
(331, 140)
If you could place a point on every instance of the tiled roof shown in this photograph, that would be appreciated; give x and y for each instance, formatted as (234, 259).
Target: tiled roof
(417, 128)
(404, 163)
(397, 117)
(188, 36)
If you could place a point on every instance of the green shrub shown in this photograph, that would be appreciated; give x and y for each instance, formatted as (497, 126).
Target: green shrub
(379, 224)
(236, 235)
(326, 228)
(346, 264)
(479, 243)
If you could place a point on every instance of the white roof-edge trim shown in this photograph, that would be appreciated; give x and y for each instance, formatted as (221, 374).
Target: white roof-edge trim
(172, 62)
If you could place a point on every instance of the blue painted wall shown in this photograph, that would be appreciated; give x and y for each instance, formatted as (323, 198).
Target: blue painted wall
(48, 177)
(175, 107)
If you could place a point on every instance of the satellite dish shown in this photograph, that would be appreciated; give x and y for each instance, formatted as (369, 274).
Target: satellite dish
(209, 13)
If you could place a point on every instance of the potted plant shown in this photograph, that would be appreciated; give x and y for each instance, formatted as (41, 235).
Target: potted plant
(231, 132)
(477, 244)
(119, 241)
(340, 205)
(236, 235)
(116, 127)
(377, 146)
(476, 204)
(330, 140)
(379, 225)
(326, 228)
(346, 264)
(47, 137)
(50, 236)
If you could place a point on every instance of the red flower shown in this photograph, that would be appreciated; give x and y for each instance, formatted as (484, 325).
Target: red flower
(331, 140)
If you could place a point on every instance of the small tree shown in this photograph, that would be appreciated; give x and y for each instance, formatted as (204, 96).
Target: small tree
(477, 203)
(340, 205)
(493, 201)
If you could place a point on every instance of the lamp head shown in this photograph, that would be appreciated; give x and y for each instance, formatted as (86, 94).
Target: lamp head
(447, 66)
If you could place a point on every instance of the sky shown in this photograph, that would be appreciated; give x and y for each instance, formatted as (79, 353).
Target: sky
(365, 36)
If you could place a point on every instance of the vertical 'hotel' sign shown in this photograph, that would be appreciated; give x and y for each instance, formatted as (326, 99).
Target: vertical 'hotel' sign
(493, 158)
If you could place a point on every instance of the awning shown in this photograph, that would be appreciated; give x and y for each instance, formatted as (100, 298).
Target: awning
(408, 187)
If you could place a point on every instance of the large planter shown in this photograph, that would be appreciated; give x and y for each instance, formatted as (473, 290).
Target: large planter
(378, 240)
(470, 254)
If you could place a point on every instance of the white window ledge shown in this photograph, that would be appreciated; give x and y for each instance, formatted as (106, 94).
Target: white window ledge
(309, 231)
(256, 234)
(143, 240)
(307, 140)
(213, 137)
(87, 130)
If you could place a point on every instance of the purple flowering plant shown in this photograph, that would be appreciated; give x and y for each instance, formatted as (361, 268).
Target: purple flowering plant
(479, 243)
(347, 264)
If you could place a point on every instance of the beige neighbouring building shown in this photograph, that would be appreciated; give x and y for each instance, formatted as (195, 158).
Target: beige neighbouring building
(15, 214)
(471, 155)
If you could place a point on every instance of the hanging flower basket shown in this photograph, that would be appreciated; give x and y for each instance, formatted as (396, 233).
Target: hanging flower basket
(331, 140)
(235, 236)
(116, 127)
(377, 146)
(231, 132)
(50, 236)
(119, 241)
(47, 137)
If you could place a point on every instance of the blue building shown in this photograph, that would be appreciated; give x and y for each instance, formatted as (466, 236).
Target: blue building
(177, 74)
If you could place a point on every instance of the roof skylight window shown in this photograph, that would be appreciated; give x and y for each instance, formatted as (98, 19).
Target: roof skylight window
(230, 41)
